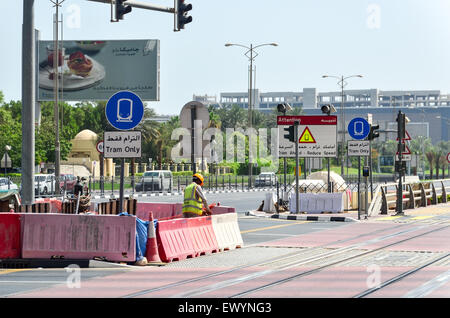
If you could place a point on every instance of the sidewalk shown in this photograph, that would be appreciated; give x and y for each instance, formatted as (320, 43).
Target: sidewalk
(109, 195)
(352, 216)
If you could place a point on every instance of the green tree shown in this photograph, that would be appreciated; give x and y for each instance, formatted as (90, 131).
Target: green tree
(10, 134)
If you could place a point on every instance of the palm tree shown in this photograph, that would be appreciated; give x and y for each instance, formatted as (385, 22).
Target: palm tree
(441, 156)
(148, 127)
(214, 118)
(430, 155)
(163, 142)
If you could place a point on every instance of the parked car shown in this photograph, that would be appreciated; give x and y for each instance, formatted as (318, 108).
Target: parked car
(156, 180)
(266, 179)
(4, 184)
(44, 183)
(68, 181)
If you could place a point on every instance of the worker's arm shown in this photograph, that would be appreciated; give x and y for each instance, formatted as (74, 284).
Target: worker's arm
(205, 203)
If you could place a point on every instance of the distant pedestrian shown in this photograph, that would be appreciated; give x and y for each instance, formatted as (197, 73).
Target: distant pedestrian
(78, 188)
(194, 200)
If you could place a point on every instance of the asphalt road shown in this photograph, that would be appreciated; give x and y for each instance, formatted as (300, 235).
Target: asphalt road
(242, 201)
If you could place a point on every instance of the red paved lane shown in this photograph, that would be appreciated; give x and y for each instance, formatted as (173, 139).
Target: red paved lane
(343, 281)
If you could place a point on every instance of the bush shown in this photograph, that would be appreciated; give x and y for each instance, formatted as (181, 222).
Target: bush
(386, 169)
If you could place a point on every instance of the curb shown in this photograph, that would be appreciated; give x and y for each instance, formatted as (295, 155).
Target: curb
(295, 217)
(159, 194)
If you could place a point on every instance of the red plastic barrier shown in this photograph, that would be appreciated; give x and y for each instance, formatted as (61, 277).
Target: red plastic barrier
(160, 210)
(202, 235)
(55, 204)
(222, 209)
(78, 236)
(174, 240)
(9, 235)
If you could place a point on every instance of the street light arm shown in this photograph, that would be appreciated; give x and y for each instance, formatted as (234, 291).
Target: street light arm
(352, 76)
(232, 44)
(272, 44)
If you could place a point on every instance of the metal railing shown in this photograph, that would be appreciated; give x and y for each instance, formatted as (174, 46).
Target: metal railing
(419, 194)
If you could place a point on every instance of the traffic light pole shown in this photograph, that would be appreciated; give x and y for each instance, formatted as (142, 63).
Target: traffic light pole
(296, 123)
(400, 135)
(141, 5)
(28, 102)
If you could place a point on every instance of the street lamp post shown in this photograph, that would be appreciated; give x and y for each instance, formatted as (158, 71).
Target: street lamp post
(251, 57)
(342, 83)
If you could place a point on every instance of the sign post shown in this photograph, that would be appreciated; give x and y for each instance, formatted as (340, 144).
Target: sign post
(124, 111)
(401, 135)
(99, 147)
(359, 128)
(296, 167)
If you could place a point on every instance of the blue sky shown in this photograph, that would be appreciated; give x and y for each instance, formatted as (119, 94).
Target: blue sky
(395, 44)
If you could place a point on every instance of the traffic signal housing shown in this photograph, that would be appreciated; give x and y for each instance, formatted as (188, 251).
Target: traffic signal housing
(182, 14)
(374, 132)
(401, 125)
(121, 9)
(290, 133)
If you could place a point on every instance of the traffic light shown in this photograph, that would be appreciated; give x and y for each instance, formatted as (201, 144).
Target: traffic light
(401, 125)
(281, 108)
(290, 133)
(182, 14)
(373, 132)
(121, 9)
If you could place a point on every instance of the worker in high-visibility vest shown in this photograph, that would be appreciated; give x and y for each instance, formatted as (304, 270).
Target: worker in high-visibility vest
(194, 200)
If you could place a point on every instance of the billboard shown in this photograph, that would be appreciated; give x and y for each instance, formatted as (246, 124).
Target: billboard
(95, 70)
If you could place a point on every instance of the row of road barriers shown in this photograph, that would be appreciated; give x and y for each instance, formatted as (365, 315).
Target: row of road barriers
(114, 238)
(180, 238)
(414, 195)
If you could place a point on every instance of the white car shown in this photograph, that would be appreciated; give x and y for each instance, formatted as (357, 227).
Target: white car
(266, 179)
(4, 184)
(155, 180)
(44, 183)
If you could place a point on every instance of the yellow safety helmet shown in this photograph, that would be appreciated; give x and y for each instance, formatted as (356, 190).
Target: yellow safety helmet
(199, 177)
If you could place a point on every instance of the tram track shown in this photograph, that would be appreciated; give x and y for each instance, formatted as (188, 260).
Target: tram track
(290, 260)
(328, 265)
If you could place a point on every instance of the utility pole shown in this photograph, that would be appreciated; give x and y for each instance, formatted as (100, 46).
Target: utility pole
(28, 102)
(296, 123)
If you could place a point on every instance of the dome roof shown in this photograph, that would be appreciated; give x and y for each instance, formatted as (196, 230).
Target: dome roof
(86, 135)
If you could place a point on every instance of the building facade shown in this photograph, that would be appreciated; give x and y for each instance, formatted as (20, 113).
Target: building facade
(428, 110)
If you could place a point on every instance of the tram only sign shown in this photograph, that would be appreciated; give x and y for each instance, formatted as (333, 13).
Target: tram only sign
(122, 144)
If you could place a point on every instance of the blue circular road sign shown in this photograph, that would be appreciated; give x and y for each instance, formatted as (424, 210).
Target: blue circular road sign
(358, 128)
(124, 110)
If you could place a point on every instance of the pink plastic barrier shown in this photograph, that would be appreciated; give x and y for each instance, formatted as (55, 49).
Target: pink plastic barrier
(160, 210)
(174, 240)
(9, 235)
(55, 204)
(79, 236)
(222, 210)
(202, 235)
